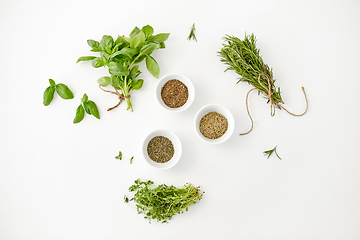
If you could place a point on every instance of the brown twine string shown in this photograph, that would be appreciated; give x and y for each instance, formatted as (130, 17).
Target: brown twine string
(120, 95)
(272, 103)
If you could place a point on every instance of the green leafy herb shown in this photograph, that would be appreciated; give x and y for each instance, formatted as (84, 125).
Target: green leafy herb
(86, 106)
(131, 160)
(121, 56)
(244, 58)
(62, 90)
(269, 152)
(119, 156)
(192, 33)
(163, 202)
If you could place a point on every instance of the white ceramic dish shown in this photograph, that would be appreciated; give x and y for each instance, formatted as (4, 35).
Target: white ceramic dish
(177, 148)
(182, 79)
(215, 108)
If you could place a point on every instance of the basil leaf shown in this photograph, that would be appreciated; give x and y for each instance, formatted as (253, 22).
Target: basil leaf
(93, 109)
(118, 69)
(48, 95)
(152, 66)
(134, 32)
(136, 85)
(64, 92)
(119, 40)
(148, 31)
(130, 52)
(93, 43)
(98, 62)
(161, 37)
(106, 43)
(148, 48)
(104, 81)
(84, 98)
(79, 114)
(115, 82)
(138, 40)
(87, 107)
(85, 58)
(52, 82)
(135, 71)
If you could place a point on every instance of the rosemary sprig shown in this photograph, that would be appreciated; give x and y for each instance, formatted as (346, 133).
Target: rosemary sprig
(192, 33)
(163, 202)
(269, 152)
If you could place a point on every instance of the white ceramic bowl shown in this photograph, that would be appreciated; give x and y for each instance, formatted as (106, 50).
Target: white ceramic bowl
(182, 79)
(177, 149)
(215, 108)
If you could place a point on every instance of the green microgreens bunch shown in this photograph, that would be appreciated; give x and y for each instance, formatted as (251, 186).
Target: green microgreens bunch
(87, 106)
(61, 89)
(122, 55)
(163, 202)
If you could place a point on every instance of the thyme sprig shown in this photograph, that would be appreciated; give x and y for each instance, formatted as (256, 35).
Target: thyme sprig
(192, 33)
(163, 202)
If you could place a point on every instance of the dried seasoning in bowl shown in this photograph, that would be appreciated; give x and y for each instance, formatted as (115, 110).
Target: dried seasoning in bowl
(174, 93)
(160, 149)
(213, 125)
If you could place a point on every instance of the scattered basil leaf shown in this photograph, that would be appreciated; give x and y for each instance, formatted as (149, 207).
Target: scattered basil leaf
(93, 109)
(79, 114)
(87, 107)
(84, 98)
(152, 66)
(64, 92)
(48, 95)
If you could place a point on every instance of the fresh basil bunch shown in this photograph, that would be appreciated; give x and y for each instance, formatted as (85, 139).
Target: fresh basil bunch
(122, 55)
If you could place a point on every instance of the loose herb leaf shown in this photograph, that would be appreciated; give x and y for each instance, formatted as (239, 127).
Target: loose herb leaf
(119, 156)
(93, 109)
(131, 160)
(64, 92)
(192, 33)
(163, 202)
(126, 199)
(80, 113)
(48, 95)
(269, 152)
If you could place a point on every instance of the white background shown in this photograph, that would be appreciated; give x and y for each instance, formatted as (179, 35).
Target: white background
(59, 180)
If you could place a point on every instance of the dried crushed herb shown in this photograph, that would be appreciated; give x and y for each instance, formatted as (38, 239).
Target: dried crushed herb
(160, 149)
(213, 125)
(174, 93)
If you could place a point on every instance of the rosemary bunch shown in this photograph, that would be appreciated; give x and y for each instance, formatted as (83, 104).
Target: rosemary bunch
(163, 202)
(244, 58)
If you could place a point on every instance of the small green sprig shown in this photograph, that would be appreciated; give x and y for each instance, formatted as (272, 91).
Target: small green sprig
(163, 202)
(87, 106)
(192, 33)
(119, 156)
(268, 153)
(61, 89)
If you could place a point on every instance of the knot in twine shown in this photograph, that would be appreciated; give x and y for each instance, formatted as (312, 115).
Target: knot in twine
(273, 104)
(120, 95)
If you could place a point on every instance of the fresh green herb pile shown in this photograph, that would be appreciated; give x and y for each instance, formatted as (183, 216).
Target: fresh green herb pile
(244, 58)
(121, 56)
(163, 202)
